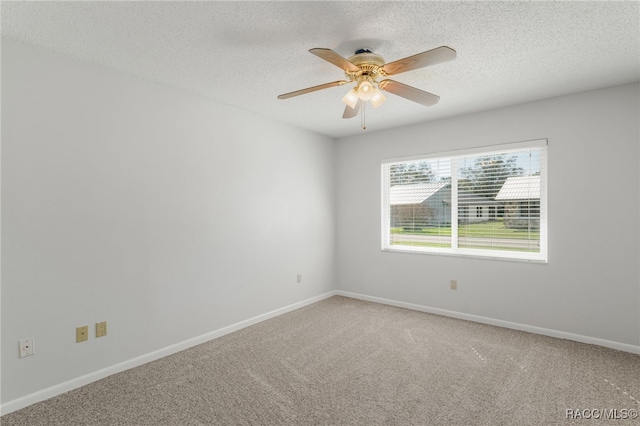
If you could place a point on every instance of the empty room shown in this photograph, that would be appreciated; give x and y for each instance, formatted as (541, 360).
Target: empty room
(331, 213)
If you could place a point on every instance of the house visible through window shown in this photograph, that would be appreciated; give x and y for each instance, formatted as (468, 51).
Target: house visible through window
(483, 202)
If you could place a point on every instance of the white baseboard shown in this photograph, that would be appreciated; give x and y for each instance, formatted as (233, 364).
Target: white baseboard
(500, 323)
(61, 388)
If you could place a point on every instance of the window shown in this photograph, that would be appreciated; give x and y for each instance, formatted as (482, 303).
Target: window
(488, 202)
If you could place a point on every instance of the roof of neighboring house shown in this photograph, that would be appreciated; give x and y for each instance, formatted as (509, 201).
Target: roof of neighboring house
(413, 194)
(520, 188)
(467, 198)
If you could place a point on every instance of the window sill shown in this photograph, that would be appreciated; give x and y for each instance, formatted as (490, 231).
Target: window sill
(487, 255)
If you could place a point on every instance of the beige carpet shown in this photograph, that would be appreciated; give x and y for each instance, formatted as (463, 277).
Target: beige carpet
(348, 362)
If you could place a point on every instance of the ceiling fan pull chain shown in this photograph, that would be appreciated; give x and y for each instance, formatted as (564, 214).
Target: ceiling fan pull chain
(363, 118)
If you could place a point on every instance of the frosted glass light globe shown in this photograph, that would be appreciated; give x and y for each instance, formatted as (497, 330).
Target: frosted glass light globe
(378, 98)
(351, 98)
(365, 91)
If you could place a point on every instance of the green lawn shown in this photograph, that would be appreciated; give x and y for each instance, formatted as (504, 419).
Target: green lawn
(428, 244)
(484, 229)
(420, 244)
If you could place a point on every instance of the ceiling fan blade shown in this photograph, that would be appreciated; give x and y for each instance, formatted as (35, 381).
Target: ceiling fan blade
(409, 92)
(312, 89)
(352, 112)
(430, 57)
(337, 60)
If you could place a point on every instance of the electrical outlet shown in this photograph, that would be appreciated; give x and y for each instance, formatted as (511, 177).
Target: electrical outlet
(454, 284)
(82, 334)
(101, 329)
(299, 279)
(26, 347)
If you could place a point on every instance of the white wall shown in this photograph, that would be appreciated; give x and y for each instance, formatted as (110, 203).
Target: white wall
(170, 216)
(165, 214)
(590, 286)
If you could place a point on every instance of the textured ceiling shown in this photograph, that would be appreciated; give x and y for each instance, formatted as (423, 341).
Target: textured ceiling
(246, 53)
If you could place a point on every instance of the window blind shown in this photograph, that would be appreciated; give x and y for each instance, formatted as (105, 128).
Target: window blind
(482, 202)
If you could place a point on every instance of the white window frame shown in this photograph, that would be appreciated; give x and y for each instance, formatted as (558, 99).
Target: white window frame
(454, 250)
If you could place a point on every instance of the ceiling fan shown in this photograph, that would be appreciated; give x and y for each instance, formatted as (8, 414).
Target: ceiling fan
(364, 69)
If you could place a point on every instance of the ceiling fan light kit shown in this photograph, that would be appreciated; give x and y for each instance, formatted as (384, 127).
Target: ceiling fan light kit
(364, 69)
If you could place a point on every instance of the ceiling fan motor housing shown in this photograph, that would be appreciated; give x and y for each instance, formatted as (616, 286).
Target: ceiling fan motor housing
(369, 63)
(365, 56)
